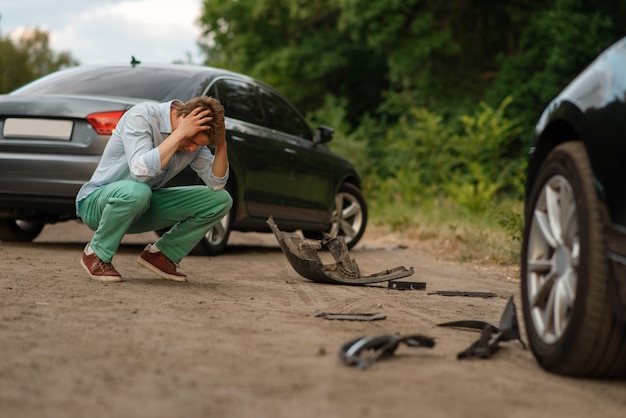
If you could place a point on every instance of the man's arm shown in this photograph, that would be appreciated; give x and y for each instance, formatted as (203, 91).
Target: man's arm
(220, 163)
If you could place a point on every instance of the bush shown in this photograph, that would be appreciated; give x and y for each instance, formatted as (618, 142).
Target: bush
(471, 160)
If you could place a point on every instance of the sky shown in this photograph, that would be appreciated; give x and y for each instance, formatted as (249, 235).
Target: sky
(110, 31)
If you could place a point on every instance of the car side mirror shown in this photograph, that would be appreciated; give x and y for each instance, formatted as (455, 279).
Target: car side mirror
(323, 134)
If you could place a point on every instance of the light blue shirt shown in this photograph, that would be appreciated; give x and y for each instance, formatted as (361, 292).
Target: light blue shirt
(132, 154)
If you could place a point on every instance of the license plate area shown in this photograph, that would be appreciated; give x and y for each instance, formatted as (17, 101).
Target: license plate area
(48, 129)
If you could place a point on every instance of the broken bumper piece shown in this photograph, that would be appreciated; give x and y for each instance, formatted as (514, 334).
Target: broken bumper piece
(302, 255)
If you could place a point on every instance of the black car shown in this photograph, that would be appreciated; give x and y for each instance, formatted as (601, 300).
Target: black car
(574, 244)
(53, 131)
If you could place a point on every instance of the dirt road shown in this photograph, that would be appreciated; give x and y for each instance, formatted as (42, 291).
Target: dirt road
(240, 339)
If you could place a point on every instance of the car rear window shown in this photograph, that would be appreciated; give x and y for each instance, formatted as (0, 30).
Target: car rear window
(151, 84)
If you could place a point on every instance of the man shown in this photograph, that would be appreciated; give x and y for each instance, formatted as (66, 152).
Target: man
(151, 143)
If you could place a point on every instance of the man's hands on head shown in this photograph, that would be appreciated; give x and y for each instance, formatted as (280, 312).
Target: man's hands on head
(202, 124)
(198, 120)
(207, 118)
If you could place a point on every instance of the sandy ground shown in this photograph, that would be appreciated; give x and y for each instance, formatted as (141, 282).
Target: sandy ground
(240, 339)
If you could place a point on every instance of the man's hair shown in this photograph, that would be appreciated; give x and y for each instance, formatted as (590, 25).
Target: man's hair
(217, 113)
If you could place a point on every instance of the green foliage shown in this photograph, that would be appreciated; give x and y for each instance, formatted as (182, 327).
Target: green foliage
(454, 232)
(467, 160)
(296, 47)
(551, 50)
(333, 113)
(510, 218)
(383, 57)
(462, 173)
(28, 58)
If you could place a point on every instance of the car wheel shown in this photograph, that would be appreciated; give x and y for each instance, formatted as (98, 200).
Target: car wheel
(349, 216)
(571, 327)
(19, 230)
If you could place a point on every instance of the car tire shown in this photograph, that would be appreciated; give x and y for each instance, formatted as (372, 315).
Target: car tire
(19, 230)
(570, 324)
(349, 217)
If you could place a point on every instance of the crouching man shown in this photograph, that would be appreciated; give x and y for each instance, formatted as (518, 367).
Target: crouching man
(151, 144)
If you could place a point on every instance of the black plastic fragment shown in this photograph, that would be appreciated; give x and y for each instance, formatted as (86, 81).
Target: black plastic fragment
(463, 293)
(473, 324)
(365, 351)
(484, 347)
(509, 325)
(491, 336)
(406, 285)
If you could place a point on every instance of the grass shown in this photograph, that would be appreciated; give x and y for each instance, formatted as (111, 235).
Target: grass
(491, 237)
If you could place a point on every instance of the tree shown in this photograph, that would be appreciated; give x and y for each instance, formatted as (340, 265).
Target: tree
(378, 56)
(384, 57)
(28, 59)
(295, 46)
(552, 50)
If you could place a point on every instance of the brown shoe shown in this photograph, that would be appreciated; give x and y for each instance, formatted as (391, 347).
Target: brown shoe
(98, 269)
(161, 265)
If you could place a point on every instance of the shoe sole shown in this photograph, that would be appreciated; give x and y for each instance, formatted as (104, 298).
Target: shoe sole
(100, 278)
(160, 273)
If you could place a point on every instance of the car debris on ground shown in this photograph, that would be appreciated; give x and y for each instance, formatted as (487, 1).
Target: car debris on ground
(491, 336)
(302, 255)
(464, 293)
(350, 316)
(406, 285)
(365, 351)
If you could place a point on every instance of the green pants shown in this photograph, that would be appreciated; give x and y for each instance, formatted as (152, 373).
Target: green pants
(131, 207)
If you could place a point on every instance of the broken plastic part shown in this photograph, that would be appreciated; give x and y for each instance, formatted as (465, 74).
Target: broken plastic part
(509, 325)
(357, 352)
(470, 324)
(407, 285)
(463, 293)
(350, 317)
(302, 255)
(488, 343)
(484, 347)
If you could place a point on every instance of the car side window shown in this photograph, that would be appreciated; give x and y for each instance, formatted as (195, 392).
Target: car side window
(282, 116)
(212, 91)
(239, 101)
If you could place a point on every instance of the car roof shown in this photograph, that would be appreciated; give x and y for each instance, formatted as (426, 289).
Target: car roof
(158, 82)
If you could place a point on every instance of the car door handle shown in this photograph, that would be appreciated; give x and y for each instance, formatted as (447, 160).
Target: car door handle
(290, 151)
(237, 138)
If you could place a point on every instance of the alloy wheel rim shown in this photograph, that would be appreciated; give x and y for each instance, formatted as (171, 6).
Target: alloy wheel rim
(216, 235)
(553, 256)
(347, 218)
(26, 225)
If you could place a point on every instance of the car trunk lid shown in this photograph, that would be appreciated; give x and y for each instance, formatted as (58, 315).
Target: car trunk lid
(58, 124)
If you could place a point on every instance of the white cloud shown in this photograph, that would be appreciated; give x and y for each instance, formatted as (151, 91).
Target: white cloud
(112, 31)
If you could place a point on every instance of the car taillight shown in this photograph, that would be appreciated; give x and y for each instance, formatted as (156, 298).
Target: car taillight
(105, 122)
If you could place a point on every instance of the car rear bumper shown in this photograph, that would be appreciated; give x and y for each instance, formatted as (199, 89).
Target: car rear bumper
(46, 209)
(42, 185)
